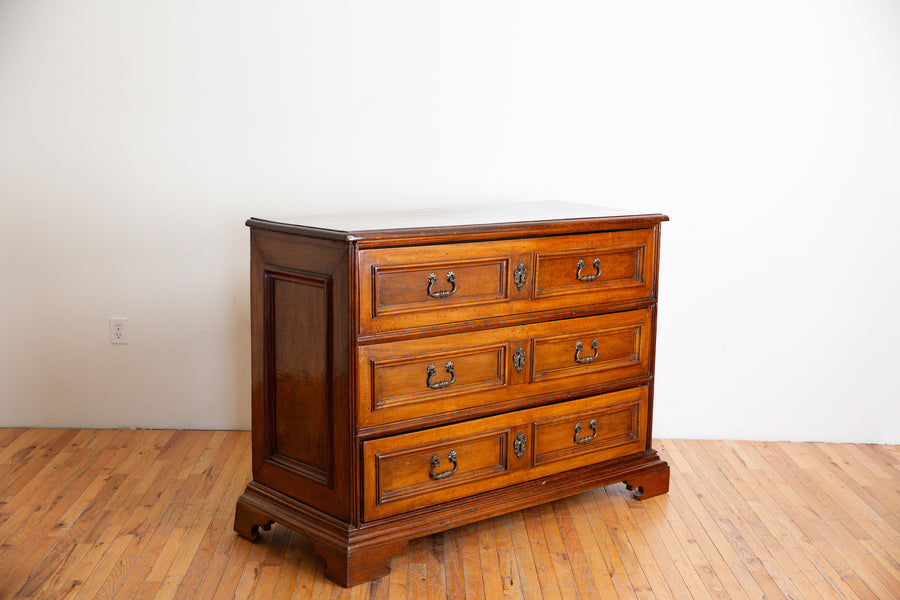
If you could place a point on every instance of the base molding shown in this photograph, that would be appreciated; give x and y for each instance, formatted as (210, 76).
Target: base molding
(357, 553)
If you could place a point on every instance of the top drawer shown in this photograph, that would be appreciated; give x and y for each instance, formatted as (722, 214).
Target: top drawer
(417, 287)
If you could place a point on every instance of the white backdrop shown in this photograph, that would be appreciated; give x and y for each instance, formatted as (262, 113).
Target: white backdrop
(136, 138)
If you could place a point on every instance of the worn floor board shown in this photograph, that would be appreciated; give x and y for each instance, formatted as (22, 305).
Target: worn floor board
(147, 514)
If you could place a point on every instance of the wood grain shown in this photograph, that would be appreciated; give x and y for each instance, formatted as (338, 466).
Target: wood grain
(147, 514)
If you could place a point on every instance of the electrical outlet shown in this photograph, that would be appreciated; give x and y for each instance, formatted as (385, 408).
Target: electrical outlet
(118, 330)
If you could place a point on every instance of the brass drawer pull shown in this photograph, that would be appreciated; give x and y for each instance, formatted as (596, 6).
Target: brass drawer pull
(592, 425)
(436, 462)
(432, 279)
(586, 359)
(580, 266)
(431, 370)
(519, 445)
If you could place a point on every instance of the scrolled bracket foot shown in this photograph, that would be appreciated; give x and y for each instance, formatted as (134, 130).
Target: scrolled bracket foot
(648, 485)
(248, 521)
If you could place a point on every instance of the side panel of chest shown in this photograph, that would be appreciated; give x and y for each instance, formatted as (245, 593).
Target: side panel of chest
(300, 303)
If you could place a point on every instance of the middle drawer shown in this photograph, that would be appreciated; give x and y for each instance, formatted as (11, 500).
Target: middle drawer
(478, 372)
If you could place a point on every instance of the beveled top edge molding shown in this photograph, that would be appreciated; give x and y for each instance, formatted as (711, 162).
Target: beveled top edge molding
(437, 226)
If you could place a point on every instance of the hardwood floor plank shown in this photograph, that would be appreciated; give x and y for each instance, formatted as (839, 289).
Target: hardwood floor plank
(836, 504)
(774, 510)
(796, 568)
(559, 556)
(676, 567)
(625, 506)
(417, 569)
(506, 558)
(127, 514)
(471, 561)
(490, 560)
(689, 496)
(453, 565)
(616, 571)
(578, 562)
(528, 575)
(600, 570)
(640, 585)
(398, 580)
(541, 554)
(812, 511)
(772, 577)
(434, 567)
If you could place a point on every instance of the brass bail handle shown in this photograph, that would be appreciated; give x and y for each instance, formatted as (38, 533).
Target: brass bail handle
(436, 462)
(432, 279)
(580, 265)
(586, 359)
(431, 370)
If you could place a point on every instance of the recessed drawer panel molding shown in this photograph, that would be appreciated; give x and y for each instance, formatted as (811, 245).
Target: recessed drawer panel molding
(429, 473)
(428, 467)
(438, 285)
(560, 438)
(409, 380)
(393, 377)
(413, 288)
(588, 352)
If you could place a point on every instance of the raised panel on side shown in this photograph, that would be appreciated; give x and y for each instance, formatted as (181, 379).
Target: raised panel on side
(300, 370)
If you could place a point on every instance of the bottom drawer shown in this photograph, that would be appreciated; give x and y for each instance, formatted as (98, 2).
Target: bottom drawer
(413, 470)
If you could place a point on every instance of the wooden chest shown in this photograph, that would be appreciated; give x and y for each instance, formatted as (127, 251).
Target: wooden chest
(419, 371)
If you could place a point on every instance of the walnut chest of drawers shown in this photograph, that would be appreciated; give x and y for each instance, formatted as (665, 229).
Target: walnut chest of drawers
(416, 372)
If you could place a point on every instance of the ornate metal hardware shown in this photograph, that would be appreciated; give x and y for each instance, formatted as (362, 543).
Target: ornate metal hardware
(519, 445)
(519, 359)
(520, 275)
(579, 347)
(436, 462)
(431, 370)
(580, 266)
(432, 279)
(592, 425)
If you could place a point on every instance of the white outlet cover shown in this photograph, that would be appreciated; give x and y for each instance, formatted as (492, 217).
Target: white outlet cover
(118, 330)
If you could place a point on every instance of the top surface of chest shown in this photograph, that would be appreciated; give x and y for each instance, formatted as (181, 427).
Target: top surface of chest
(449, 224)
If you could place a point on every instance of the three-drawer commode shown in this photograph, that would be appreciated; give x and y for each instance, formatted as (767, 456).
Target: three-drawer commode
(415, 372)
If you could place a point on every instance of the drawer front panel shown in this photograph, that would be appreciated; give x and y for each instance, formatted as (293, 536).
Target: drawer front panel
(424, 468)
(608, 266)
(438, 285)
(441, 470)
(587, 432)
(479, 371)
(428, 286)
(422, 378)
(589, 352)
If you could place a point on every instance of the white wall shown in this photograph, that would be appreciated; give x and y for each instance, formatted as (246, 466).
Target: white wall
(136, 137)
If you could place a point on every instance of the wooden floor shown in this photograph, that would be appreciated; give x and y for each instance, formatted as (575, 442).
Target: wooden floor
(147, 514)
